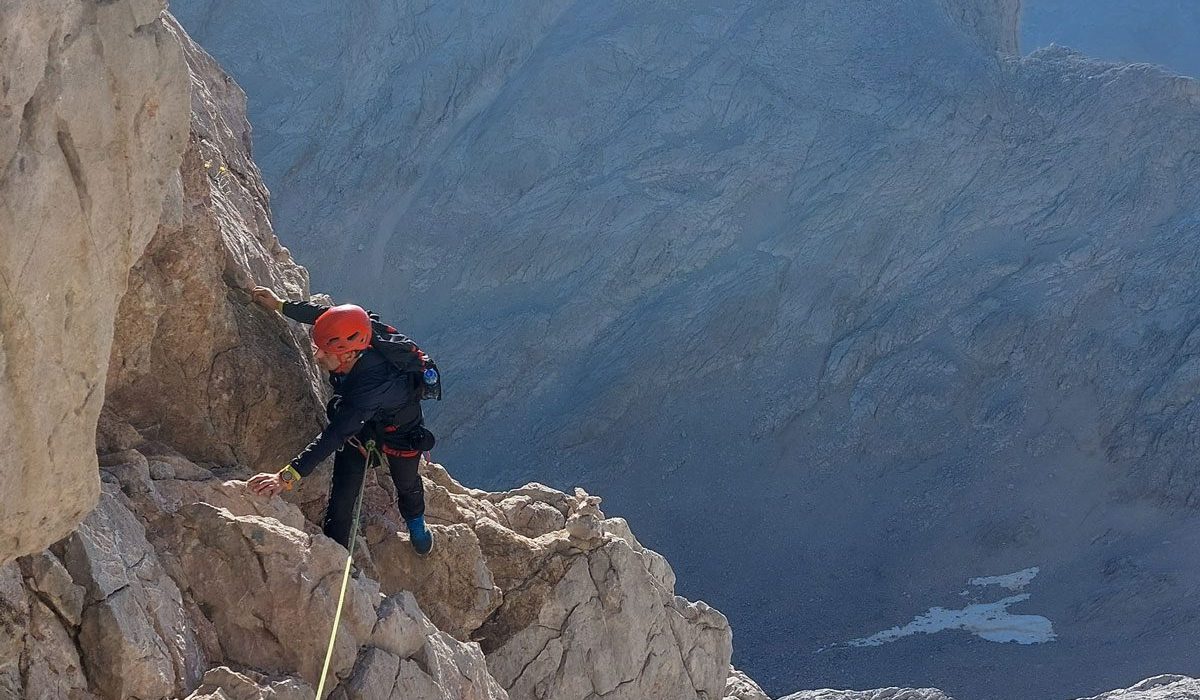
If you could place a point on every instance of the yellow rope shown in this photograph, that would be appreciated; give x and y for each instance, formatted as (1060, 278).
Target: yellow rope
(337, 617)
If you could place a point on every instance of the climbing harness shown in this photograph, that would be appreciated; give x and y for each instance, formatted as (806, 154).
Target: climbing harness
(371, 452)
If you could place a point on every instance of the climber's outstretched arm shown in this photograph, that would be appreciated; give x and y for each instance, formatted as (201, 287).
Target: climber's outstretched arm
(302, 311)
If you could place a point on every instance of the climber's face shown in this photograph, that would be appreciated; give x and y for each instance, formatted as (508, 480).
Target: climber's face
(329, 361)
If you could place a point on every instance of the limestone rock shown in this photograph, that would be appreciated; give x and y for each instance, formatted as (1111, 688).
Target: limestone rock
(171, 494)
(122, 650)
(53, 668)
(223, 683)
(453, 584)
(531, 518)
(1167, 687)
(114, 434)
(460, 670)
(593, 620)
(409, 657)
(401, 626)
(447, 501)
(171, 466)
(134, 635)
(186, 336)
(439, 475)
(656, 564)
(49, 578)
(130, 469)
(535, 492)
(14, 620)
(739, 686)
(584, 521)
(447, 507)
(93, 120)
(446, 671)
(374, 676)
(270, 591)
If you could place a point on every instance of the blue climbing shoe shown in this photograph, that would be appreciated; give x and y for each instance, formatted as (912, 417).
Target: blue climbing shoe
(420, 536)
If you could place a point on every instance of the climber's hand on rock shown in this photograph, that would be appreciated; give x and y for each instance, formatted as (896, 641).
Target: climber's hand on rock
(266, 298)
(265, 484)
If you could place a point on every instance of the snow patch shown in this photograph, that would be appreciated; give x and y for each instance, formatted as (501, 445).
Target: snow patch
(1014, 582)
(990, 621)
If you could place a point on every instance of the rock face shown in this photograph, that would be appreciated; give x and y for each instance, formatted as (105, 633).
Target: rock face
(584, 617)
(180, 584)
(739, 686)
(93, 119)
(876, 291)
(223, 683)
(160, 594)
(101, 616)
(134, 636)
(185, 344)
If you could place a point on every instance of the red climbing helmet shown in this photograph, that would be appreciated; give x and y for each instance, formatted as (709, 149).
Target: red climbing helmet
(342, 329)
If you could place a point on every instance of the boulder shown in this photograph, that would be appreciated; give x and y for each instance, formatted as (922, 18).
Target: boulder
(739, 686)
(453, 584)
(270, 591)
(223, 683)
(134, 636)
(408, 657)
(531, 518)
(584, 617)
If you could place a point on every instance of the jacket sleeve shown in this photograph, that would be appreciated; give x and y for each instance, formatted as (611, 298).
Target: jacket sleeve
(303, 311)
(345, 421)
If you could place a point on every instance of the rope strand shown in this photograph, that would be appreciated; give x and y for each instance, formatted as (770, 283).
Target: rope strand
(370, 452)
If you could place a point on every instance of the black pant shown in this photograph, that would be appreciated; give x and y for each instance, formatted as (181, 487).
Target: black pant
(349, 469)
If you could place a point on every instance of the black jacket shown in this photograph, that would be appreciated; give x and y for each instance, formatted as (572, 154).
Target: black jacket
(372, 396)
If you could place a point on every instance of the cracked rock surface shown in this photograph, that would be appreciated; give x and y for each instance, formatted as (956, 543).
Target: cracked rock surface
(739, 686)
(93, 121)
(183, 329)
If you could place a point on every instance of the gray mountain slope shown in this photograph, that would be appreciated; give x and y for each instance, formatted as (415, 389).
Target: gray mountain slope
(1165, 32)
(841, 305)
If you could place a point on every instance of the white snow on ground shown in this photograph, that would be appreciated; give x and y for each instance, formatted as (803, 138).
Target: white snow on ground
(1013, 582)
(990, 621)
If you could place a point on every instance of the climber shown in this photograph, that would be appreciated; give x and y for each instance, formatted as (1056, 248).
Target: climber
(373, 400)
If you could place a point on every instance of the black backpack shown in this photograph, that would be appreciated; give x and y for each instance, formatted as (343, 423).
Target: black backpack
(404, 354)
